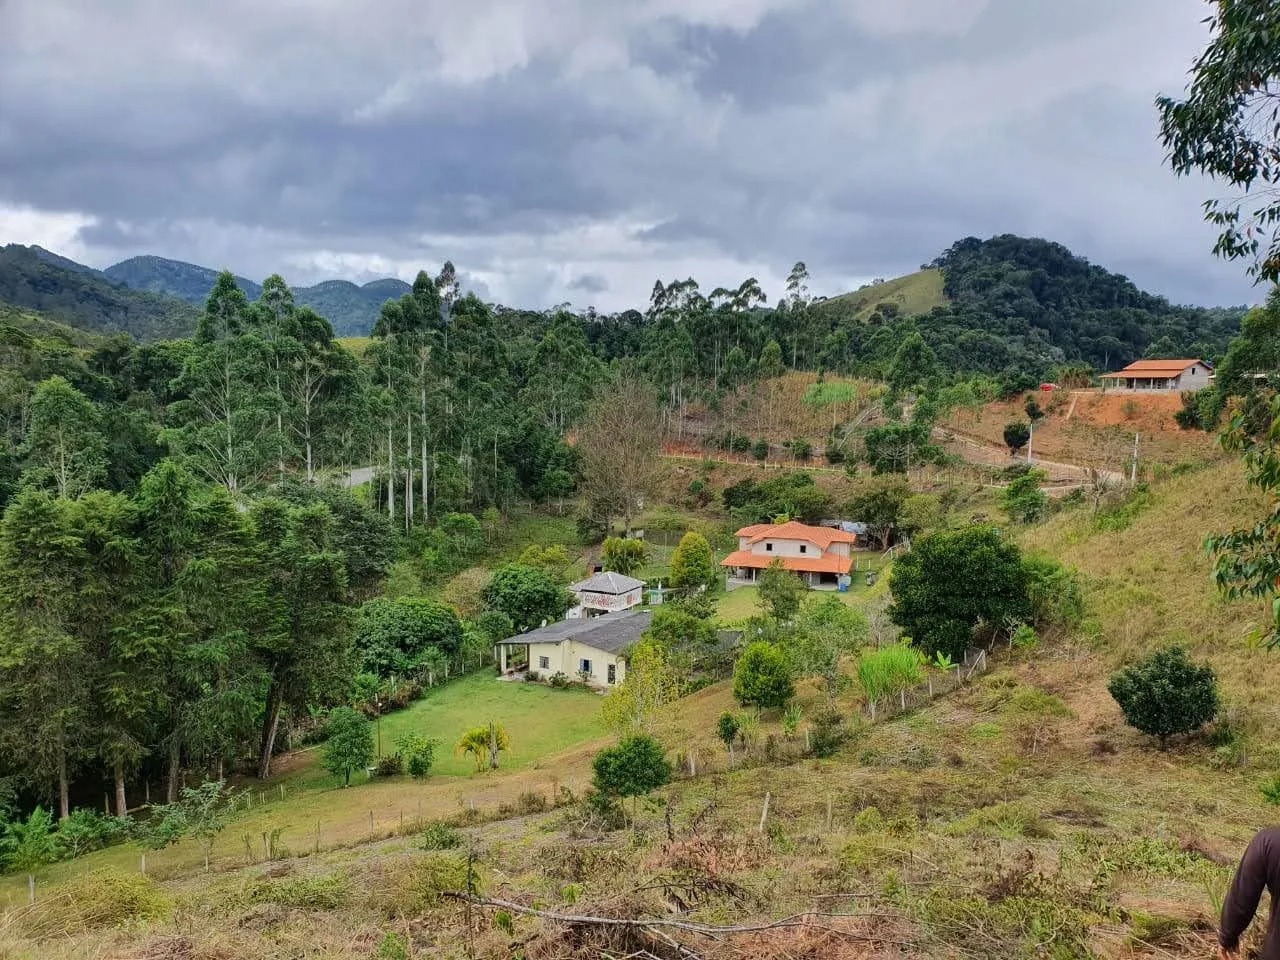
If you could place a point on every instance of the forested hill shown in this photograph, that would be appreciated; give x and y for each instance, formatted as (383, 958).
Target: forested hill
(1036, 298)
(32, 279)
(186, 281)
(351, 309)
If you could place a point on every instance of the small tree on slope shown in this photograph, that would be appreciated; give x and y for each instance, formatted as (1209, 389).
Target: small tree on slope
(1166, 694)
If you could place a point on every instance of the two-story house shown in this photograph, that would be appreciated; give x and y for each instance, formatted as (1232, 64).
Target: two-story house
(821, 555)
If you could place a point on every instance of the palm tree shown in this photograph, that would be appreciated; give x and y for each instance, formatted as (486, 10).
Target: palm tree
(484, 743)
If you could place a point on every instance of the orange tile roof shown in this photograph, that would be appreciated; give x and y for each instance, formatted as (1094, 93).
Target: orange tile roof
(831, 563)
(1155, 368)
(794, 530)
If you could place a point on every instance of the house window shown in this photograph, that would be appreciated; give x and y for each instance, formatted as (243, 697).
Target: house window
(804, 548)
(544, 663)
(613, 673)
(768, 546)
(584, 667)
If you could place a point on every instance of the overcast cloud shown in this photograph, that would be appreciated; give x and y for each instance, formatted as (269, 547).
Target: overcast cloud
(575, 150)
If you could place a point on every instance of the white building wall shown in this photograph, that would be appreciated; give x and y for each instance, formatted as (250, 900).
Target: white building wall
(786, 548)
(565, 657)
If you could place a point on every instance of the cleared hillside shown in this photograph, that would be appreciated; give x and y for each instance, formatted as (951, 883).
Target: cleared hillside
(912, 294)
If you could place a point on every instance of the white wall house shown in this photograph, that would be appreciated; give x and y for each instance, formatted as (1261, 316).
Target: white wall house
(593, 649)
(821, 555)
(1190, 374)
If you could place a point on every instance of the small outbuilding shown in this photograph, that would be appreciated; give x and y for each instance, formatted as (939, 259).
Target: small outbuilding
(593, 649)
(606, 592)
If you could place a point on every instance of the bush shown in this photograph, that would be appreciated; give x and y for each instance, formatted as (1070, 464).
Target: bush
(826, 732)
(1166, 694)
(762, 676)
(1016, 435)
(439, 836)
(418, 752)
(559, 680)
(87, 830)
(635, 766)
(1023, 500)
(760, 449)
(627, 555)
(1054, 593)
(390, 765)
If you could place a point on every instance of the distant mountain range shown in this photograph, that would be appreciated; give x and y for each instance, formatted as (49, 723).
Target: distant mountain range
(351, 309)
(152, 297)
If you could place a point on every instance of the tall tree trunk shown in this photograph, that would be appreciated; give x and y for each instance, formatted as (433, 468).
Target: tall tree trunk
(493, 746)
(391, 475)
(122, 807)
(422, 422)
(270, 723)
(64, 789)
(175, 767)
(408, 465)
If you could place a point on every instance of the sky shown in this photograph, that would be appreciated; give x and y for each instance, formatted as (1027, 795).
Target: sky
(577, 150)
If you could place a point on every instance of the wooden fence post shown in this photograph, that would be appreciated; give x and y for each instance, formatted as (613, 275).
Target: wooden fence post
(144, 864)
(828, 813)
(764, 812)
(371, 821)
(31, 888)
(317, 848)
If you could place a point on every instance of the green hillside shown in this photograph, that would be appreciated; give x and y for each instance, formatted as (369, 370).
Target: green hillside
(87, 300)
(914, 293)
(186, 281)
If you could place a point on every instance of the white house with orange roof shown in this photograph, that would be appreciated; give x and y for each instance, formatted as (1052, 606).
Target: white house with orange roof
(1190, 374)
(821, 555)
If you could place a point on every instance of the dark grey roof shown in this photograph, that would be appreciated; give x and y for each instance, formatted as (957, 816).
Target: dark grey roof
(611, 633)
(608, 582)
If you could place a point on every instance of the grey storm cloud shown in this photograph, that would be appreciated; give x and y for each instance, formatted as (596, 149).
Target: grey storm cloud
(568, 149)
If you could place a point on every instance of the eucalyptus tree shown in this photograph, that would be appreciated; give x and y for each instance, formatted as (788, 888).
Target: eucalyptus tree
(274, 318)
(225, 418)
(65, 449)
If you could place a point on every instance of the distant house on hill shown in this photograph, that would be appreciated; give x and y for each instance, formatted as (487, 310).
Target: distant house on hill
(606, 592)
(1190, 374)
(593, 649)
(821, 555)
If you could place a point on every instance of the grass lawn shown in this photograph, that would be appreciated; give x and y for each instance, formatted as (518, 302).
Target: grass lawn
(741, 603)
(540, 721)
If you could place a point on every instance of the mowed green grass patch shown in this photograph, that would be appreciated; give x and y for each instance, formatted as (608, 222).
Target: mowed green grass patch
(540, 720)
(741, 603)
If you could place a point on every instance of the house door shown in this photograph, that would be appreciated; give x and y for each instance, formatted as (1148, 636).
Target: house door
(613, 673)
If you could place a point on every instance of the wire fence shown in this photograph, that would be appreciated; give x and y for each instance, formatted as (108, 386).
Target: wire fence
(937, 684)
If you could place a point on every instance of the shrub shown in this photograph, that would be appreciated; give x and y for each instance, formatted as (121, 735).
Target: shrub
(419, 754)
(484, 744)
(635, 766)
(1053, 591)
(1166, 694)
(87, 830)
(390, 765)
(559, 680)
(439, 836)
(727, 730)
(762, 676)
(1023, 500)
(30, 844)
(760, 449)
(626, 555)
(826, 732)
